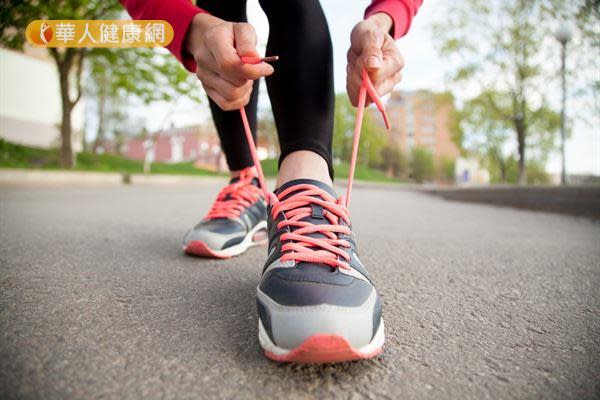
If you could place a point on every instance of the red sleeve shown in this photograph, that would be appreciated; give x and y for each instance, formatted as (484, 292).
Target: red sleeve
(401, 12)
(179, 13)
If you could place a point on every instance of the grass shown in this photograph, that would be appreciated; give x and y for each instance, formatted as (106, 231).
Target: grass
(362, 173)
(18, 156)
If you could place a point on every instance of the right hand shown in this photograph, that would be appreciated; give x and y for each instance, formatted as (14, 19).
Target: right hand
(217, 46)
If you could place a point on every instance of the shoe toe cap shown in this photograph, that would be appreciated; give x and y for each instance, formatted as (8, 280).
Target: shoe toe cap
(292, 311)
(215, 235)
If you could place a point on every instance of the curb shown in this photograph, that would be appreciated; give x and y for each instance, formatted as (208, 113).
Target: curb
(15, 176)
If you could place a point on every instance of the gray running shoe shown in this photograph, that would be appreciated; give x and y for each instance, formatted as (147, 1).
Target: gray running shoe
(236, 221)
(316, 302)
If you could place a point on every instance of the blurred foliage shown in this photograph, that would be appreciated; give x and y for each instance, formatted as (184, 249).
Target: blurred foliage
(372, 139)
(393, 161)
(488, 134)
(116, 74)
(446, 170)
(362, 173)
(536, 174)
(142, 73)
(422, 166)
(502, 48)
(14, 18)
(119, 76)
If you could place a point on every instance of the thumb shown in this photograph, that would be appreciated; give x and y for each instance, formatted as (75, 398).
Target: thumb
(372, 54)
(245, 39)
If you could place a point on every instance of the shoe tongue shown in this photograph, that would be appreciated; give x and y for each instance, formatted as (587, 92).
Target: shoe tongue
(255, 181)
(295, 182)
(317, 217)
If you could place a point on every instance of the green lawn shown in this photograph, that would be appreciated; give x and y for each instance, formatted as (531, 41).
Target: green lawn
(362, 173)
(17, 156)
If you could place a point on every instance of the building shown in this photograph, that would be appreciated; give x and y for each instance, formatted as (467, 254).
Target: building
(422, 118)
(197, 144)
(467, 171)
(30, 103)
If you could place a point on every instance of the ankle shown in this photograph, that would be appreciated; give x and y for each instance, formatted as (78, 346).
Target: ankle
(303, 164)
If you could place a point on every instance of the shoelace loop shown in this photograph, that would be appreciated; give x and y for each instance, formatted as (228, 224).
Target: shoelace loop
(299, 245)
(234, 198)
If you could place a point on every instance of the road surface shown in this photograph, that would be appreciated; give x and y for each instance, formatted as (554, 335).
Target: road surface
(97, 301)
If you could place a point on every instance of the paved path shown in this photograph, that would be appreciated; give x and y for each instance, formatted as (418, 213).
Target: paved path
(97, 301)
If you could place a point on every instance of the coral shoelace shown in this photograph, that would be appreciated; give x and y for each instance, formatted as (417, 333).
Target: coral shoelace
(235, 197)
(296, 201)
(299, 245)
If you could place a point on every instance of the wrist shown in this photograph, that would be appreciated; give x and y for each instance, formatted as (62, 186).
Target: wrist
(382, 21)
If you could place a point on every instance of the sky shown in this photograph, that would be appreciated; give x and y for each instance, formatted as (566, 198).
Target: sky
(423, 70)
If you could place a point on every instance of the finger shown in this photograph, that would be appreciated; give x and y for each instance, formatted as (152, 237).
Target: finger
(386, 71)
(256, 71)
(351, 56)
(223, 103)
(372, 55)
(388, 85)
(352, 94)
(354, 78)
(225, 88)
(245, 39)
(392, 64)
(231, 68)
(353, 84)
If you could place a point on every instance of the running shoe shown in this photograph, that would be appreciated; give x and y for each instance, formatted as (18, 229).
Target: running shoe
(316, 302)
(236, 221)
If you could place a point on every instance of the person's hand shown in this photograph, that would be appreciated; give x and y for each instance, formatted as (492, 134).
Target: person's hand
(372, 47)
(217, 46)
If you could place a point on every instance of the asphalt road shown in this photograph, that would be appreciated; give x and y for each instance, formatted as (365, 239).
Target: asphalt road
(97, 301)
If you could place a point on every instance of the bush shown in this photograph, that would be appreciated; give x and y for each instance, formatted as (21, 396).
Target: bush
(421, 165)
(536, 173)
(393, 161)
(446, 169)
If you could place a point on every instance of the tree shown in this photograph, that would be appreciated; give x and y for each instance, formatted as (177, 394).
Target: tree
(487, 133)
(393, 161)
(139, 72)
(422, 166)
(121, 76)
(14, 18)
(372, 139)
(447, 169)
(502, 48)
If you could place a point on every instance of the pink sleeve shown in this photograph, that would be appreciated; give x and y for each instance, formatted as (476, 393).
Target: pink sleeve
(179, 13)
(401, 12)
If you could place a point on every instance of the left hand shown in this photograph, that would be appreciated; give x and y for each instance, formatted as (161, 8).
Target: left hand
(372, 46)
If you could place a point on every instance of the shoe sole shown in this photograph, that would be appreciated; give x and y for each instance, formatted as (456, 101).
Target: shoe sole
(201, 249)
(321, 348)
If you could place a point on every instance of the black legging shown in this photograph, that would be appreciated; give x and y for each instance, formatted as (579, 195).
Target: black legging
(300, 89)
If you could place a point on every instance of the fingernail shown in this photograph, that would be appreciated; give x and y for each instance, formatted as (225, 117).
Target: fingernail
(373, 62)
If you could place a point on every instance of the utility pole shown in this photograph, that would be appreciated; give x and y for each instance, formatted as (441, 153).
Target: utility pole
(563, 35)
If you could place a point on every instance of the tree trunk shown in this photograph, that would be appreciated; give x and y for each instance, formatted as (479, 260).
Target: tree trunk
(66, 151)
(101, 113)
(521, 143)
(502, 172)
(100, 132)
